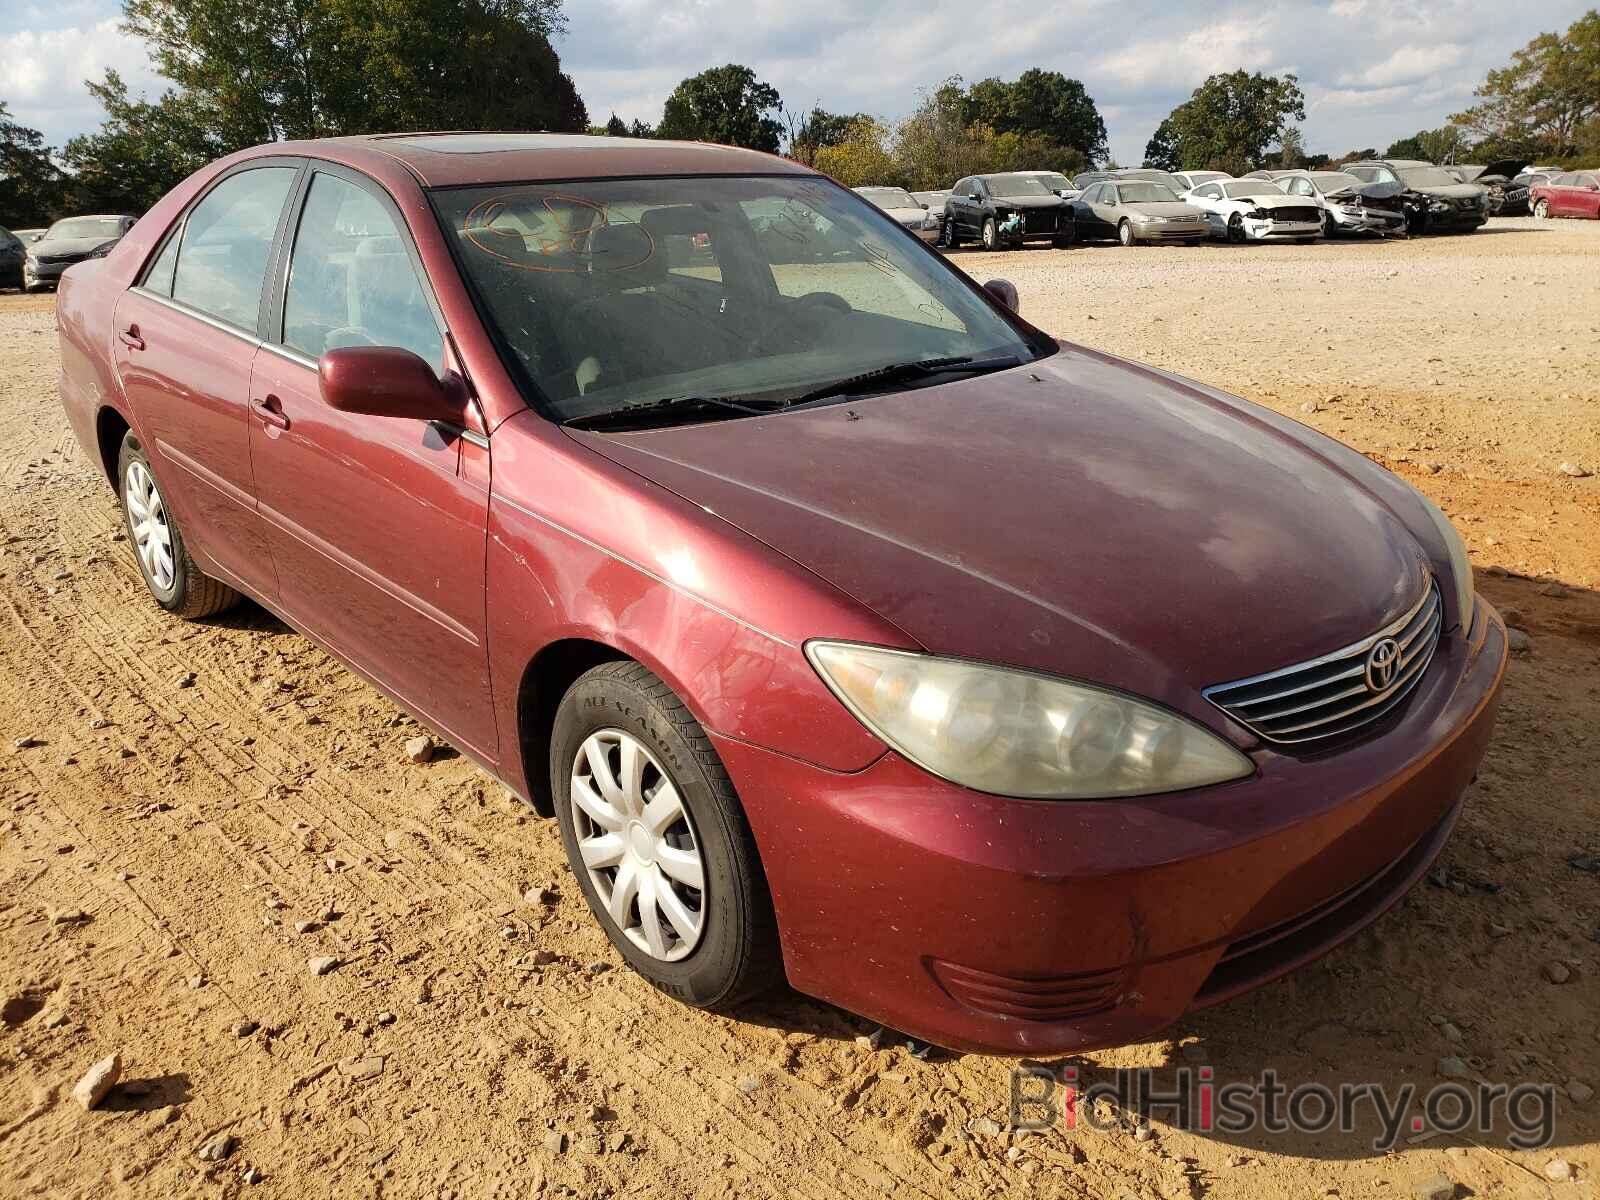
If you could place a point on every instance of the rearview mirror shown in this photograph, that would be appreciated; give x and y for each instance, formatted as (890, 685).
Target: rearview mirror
(1005, 292)
(386, 381)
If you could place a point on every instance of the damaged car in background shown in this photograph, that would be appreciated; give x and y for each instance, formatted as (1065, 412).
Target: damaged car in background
(1434, 200)
(1135, 210)
(1004, 211)
(1507, 197)
(1348, 205)
(913, 215)
(1256, 210)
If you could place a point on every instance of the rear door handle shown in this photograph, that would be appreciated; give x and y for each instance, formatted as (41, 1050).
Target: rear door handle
(131, 339)
(270, 410)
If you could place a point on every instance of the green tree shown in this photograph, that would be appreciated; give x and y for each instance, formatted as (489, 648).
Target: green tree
(817, 129)
(140, 151)
(1161, 152)
(936, 145)
(862, 156)
(616, 127)
(311, 68)
(1449, 144)
(724, 104)
(1231, 120)
(1537, 104)
(30, 181)
(1041, 102)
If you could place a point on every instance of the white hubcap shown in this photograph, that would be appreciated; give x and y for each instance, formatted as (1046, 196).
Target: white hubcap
(147, 518)
(638, 845)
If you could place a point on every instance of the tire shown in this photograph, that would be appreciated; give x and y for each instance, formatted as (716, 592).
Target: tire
(1330, 227)
(733, 954)
(1125, 233)
(1236, 229)
(1542, 210)
(991, 234)
(950, 239)
(1065, 236)
(174, 580)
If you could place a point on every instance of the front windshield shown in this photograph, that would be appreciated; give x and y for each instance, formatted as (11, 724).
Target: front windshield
(930, 198)
(1017, 185)
(1199, 177)
(1334, 181)
(886, 197)
(1089, 179)
(1138, 192)
(1053, 181)
(620, 292)
(86, 227)
(1428, 177)
(1254, 187)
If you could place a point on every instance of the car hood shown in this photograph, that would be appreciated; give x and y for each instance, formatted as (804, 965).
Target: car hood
(54, 246)
(1280, 201)
(1504, 169)
(903, 215)
(1164, 208)
(1450, 191)
(1081, 515)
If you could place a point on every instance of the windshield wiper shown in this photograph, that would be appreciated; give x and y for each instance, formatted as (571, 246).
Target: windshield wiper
(900, 372)
(657, 409)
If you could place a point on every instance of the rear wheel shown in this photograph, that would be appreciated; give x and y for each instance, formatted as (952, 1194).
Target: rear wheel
(656, 836)
(177, 584)
(1125, 233)
(950, 239)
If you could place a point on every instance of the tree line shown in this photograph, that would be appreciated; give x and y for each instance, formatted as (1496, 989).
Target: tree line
(245, 72)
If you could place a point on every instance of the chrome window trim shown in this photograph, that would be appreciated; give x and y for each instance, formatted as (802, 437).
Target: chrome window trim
(205, 318)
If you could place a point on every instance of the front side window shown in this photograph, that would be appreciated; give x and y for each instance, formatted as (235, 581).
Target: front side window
(351, 279)
(227, 242)
(617, 293)
(1145, 193)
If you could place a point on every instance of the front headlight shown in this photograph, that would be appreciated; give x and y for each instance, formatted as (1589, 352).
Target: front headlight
(1139, 218)
(1460, 564)
(1013, 733)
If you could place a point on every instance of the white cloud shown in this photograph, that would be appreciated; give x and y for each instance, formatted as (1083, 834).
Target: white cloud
(42, 74)
(1408, 64)
(1186, 60)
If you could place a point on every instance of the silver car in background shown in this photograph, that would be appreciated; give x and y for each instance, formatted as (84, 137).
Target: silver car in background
(1348, 204)
(905, 208)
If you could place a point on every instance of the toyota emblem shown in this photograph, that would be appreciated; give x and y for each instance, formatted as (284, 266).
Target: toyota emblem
(1383, 661)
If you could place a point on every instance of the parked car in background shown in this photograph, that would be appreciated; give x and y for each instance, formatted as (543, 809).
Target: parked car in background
(1055, 181)
(70, 240)
(1135, 210)
(12, 253)
(28, 236)
(1004, 211)
(1570, 194)
(905, 208)
(1507, 196)
(1256, 210)
(1433, 199)
(755, 575)
(932, 201)
(1348, 204)
(1193, 179)
(1150, 175)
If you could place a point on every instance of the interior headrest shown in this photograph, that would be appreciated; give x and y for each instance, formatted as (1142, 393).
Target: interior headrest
(505, 244)
(680, 219)
(624, 249)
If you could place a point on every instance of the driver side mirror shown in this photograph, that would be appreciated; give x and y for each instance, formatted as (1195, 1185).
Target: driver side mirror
(1005, 292)
(386, 381)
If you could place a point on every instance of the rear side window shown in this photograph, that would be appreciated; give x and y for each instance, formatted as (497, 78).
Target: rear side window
(159, 278)
(226, 244)
(351, 280)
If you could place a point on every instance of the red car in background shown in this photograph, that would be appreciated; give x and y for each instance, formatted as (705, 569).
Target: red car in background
(855, 631)
(1573, 194)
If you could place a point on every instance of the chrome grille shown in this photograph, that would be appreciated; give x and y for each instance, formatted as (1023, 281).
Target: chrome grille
(1339, 692)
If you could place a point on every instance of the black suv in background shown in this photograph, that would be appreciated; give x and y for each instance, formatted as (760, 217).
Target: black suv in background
(1434, 200)
(11, 255)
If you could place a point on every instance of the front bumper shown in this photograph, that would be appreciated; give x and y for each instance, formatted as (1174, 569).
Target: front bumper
(1269, 230)
(1174, 232)
(44, 272)
(1006, 926)
(1369, 220)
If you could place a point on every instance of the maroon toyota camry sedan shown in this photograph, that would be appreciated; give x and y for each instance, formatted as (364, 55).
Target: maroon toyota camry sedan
(852, 629)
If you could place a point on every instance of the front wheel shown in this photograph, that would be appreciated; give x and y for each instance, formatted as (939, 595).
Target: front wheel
(1236, 228)
(1125, 233)
(655, 834)
(177, 584)
(991, 234)
(1330, 227)
(1542, 210)
(1066, 235)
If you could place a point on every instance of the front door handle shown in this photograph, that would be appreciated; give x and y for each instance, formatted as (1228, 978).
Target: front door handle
(270, 410)
(131, 339)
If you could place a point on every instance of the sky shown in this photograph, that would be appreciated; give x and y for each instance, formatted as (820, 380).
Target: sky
(1372, 70)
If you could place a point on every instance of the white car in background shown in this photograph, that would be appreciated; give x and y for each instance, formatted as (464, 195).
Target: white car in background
(1193, 179)
(1348, 204)
(905, 208)
(1255, 210)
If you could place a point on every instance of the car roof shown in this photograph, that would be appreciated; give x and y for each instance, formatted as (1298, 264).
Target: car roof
(456, 159)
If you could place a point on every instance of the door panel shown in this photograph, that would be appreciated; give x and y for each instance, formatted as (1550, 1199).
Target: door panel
(379, 545)
(188, 384)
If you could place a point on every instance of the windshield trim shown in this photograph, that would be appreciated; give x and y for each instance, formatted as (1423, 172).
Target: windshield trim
(534, 396)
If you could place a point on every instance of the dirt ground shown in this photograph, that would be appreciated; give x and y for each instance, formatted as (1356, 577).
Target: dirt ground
(198, 791)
